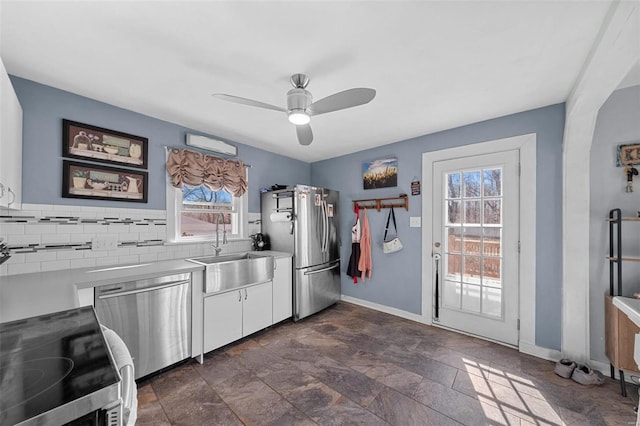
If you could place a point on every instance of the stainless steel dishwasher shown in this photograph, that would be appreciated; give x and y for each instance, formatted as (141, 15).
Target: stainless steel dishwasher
(153, 318)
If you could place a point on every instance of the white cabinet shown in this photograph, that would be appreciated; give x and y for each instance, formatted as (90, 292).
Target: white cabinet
(282, 289)
(235, 314)
(10, 144)
(222, 319)
(256, 309)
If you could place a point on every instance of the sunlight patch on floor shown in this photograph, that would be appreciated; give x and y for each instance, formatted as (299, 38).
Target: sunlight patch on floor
(501, 393)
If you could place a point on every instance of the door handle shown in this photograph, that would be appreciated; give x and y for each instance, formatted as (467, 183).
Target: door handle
(141, 290)
(317, 271)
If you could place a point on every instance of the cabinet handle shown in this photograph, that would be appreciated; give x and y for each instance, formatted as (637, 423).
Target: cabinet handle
(239, 295)
(1, 190)
(12, 198)
(275, 264)
(245, 294)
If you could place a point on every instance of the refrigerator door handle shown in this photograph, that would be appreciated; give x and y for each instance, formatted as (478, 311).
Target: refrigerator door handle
(326, 226)
(328, 268)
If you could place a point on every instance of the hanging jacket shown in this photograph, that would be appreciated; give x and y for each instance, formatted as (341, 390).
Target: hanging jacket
(354, 259)
(364, 264)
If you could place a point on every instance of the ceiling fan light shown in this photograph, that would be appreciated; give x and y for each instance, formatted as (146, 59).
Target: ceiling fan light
(299, 117)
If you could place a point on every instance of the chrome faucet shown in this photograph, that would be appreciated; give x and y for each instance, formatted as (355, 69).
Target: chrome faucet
(217, 247)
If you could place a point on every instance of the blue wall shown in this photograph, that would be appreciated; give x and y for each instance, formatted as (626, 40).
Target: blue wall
(43, 110)
(397, 278)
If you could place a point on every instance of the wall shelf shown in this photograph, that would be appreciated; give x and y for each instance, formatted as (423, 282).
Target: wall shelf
(382, 203)
(620, 331)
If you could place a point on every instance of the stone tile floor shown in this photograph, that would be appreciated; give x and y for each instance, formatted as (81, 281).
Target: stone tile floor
(351, 365)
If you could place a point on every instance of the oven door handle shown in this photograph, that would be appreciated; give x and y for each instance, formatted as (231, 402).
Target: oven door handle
(144, 290)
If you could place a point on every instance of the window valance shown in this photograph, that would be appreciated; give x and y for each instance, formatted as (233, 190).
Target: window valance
(194, 168)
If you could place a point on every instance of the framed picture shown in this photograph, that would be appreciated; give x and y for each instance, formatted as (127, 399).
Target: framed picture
(103, 145)
(381, 173)
(628, 155)
(85, 180)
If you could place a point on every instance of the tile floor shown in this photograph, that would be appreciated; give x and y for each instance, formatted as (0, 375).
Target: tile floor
(351, 365)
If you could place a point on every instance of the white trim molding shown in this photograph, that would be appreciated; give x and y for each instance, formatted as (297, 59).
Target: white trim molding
(382, 308)
(526, 144)
(614, 53)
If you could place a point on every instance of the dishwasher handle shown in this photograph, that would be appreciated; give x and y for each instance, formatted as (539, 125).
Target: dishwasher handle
(144, 289)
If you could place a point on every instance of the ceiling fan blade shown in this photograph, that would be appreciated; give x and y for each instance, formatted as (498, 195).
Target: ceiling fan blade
(305, 135)
(341, 100)
(245, 101)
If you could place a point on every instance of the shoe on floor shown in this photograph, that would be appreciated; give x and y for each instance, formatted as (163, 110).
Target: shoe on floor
(564, 368)
(586, 376)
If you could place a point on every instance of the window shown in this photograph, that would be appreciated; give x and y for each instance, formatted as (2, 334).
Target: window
(193, 207)
(192, 213)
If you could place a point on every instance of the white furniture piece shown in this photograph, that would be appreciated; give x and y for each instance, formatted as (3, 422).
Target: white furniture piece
(282, 289)
(237, 313)
(11, 144)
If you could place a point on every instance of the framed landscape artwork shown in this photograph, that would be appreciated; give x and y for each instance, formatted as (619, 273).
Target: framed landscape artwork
(85, 180)
(382, 173)
(103, 145)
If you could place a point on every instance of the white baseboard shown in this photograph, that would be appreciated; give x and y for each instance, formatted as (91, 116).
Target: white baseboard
(386, 309)
(539, 351)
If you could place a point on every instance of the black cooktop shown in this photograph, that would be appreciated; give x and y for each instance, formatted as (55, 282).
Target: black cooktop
(50, 360)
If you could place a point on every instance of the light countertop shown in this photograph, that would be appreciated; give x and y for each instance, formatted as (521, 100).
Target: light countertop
(629, 306)
(26, 295)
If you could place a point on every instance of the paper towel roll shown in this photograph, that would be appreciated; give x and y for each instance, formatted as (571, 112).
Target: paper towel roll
(280, 217)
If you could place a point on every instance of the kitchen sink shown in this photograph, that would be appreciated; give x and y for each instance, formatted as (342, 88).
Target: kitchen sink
(209, 260)
(223, 273)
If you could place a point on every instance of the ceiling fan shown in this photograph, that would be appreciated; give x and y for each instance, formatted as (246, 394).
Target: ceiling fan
(300, 105)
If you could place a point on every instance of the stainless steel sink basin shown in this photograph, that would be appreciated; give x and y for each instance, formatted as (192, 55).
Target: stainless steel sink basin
(209, 260)
(235, 270)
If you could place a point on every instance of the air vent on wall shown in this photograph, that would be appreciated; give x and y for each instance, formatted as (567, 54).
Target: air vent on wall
(211, 145)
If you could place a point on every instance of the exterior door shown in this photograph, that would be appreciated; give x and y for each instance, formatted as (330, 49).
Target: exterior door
(475, 236)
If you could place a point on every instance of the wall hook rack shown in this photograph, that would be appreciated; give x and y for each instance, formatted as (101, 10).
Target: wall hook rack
(383, 203)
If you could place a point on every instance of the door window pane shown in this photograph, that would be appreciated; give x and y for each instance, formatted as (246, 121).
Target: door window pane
(471, 297)
(454, 267)
(491, 271)
(453, 185)
(491, 241)
(492, 301)
(454, 240)
(492, 212)
(451, 295)
(471, 211)
(472, 240)
(471, 268)
(492, 182)
(454, 211)
(471, 183)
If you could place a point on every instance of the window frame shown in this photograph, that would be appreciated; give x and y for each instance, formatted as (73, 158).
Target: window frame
(174, 209)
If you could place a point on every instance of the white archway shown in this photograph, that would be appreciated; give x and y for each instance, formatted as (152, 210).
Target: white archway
(614, 53)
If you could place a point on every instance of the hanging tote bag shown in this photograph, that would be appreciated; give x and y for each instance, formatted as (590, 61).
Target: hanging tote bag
(393, 245)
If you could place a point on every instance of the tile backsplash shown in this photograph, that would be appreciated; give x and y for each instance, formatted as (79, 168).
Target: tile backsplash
(44, 237)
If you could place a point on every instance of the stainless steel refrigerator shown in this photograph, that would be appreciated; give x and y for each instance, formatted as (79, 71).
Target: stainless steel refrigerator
(303, 220)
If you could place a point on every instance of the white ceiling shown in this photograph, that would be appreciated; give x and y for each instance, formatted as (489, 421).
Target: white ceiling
(435, 64)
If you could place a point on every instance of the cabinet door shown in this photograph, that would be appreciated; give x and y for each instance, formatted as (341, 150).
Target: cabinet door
(282, 289)
(222, 319)
(257, 308)
(11, 146)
